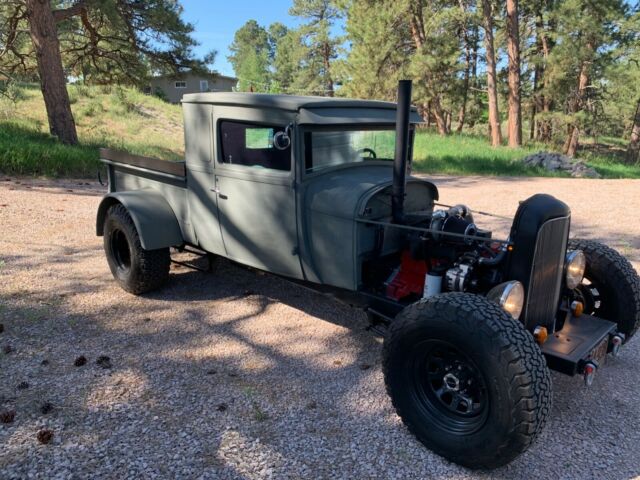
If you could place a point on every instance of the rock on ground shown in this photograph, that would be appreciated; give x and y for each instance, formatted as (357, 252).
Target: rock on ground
(557, 162)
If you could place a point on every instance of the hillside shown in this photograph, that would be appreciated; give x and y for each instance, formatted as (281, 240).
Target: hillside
(124, 118)
(114, 117)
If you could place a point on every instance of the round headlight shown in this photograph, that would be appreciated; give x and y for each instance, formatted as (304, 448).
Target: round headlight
(574, 266)
(510, 296)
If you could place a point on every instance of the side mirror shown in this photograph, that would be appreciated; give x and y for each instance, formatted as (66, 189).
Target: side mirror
(282, 140)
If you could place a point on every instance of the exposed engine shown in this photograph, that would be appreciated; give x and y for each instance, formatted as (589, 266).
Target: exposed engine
(451, 254)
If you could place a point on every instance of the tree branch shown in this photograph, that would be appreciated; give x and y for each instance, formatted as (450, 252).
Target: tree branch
(72, 11)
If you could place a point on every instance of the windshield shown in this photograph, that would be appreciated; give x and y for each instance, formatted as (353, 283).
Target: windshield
(330, 147)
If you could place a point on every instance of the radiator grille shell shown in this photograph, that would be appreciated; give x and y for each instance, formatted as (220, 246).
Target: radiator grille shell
(547, 269)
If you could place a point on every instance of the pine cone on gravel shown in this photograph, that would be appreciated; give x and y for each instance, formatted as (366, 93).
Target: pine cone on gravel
(7, 416)
(44, 436)
(80, 361)
(103, 361)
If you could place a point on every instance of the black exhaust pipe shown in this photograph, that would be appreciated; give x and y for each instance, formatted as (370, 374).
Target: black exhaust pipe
(402, 150)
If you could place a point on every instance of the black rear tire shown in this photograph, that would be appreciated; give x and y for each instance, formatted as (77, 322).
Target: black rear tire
(611, 288)
(460, 349)
(136, 270)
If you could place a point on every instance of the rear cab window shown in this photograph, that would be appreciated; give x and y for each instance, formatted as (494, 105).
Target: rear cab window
(251, 145)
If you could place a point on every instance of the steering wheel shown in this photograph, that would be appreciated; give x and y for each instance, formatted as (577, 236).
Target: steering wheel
(370, 151)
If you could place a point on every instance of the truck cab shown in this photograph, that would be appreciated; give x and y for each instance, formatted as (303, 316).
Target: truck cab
(284, 207)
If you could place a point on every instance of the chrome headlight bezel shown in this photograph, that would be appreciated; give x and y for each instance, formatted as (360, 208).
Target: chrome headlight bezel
(510, 296)
(575, 264)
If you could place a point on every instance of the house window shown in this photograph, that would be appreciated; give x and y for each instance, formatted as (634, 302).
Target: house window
(181, 84)
(204, 85)
(252, 146)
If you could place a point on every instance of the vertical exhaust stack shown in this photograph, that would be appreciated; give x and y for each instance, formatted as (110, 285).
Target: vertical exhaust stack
(402, 150)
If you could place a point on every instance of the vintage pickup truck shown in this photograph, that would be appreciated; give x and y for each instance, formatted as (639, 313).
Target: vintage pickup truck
(319, 191)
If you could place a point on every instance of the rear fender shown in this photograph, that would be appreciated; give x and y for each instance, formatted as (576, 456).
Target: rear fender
(152, 215)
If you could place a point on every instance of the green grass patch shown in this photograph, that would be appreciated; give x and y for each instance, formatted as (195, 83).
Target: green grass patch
(472, 155)
(126, 119)
(113, 117)
(469, 155)
(26, 151)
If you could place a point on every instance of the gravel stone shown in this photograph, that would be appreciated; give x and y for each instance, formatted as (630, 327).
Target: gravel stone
(155, 415)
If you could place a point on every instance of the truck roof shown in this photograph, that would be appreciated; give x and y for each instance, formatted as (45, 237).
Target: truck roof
(291, 103)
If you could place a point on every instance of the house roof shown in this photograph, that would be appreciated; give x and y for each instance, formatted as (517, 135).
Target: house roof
(183, 74)
(292, 103)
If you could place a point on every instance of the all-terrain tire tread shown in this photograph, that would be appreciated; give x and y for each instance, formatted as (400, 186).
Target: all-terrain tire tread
(523, 361)
(612, 268)
(152, 265)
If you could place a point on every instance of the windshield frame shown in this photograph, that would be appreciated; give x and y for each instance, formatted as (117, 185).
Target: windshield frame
(305, 129)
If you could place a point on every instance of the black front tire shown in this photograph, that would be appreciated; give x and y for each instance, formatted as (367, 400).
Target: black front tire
(136, 270)
(488, 362)
(611, 288)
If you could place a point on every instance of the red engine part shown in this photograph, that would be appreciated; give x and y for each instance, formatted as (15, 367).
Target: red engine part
(407, 279)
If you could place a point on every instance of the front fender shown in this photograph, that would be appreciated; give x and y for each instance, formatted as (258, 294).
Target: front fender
(152, 215)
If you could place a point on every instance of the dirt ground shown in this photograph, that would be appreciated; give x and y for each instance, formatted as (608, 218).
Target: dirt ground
(235, 374)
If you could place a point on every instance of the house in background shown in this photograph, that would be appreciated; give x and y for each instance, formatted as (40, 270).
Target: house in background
(173, 87)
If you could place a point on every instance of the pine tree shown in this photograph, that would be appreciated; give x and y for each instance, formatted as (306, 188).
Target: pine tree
(492, 80)
(109, 40)
(513, 49)
(321, 51)
(250, 57)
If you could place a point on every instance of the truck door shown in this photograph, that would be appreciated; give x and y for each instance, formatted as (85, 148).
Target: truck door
(256, 197)
(203, 201)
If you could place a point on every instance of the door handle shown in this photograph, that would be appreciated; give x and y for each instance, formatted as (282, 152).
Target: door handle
(216, 190)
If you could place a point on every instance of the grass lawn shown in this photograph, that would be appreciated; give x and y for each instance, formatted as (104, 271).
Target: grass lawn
(471, 155)
(119, 118)
(126, 119)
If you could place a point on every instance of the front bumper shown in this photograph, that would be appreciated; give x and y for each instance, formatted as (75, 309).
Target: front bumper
(570, 349)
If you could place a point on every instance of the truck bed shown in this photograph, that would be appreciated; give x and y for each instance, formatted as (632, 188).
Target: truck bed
(139, 162)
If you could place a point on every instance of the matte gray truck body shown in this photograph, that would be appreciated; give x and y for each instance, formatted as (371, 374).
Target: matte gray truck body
(284, 222)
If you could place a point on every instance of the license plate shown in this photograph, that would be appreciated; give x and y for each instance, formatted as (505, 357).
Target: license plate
(599, 354)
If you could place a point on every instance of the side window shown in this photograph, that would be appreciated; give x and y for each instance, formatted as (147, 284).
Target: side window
(252, 146)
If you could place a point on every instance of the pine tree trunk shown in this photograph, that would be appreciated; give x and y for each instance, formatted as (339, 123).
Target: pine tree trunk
(633, 150)
(535, 100)
(492, 91)
(440, 116)
(473, 81)
(44, 35)
(573, 139)
(465, 89)
(545, 129)
(467, 69)
(327, 69)
(513, 49)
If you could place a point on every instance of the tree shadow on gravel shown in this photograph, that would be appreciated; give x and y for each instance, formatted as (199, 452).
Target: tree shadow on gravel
(235, 374)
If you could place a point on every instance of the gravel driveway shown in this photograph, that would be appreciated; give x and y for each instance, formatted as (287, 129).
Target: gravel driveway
(240, 375)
